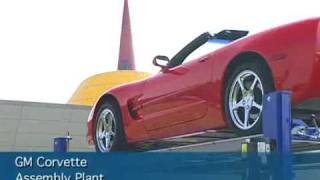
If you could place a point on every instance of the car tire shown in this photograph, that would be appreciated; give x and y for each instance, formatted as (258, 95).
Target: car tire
(245, 86)
(108, 129)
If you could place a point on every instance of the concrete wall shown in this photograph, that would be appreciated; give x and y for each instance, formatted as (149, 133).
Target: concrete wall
(29, 126)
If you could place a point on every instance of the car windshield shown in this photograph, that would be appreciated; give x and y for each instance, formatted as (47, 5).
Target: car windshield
(201, 45)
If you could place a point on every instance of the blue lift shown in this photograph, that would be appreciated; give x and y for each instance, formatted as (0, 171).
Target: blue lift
(277, 121)
(279, 130)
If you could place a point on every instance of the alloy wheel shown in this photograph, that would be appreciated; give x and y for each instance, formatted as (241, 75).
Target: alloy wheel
(245, 99)
(105, 130)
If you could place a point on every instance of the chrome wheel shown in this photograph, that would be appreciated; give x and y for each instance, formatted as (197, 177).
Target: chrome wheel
(245, 99)
(105, 130)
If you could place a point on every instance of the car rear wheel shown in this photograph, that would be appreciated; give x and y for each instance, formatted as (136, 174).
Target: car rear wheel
(109, 134)
(245, 89)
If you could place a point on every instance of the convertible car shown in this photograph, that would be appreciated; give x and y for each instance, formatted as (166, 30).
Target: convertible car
(221, 89)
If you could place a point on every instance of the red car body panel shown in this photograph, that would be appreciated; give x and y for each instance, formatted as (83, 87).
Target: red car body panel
(189, 98)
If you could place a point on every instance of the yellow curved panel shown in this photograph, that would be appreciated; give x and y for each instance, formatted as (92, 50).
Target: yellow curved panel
(93, 87)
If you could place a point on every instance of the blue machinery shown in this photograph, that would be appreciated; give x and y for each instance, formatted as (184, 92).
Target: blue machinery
(277, 121)
(274, 147)
(279, 130)
(280, 127)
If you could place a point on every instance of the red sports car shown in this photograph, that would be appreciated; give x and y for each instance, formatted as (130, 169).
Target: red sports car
(221, 89)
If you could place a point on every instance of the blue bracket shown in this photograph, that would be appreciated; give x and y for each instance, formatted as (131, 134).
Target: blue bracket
(304, 132)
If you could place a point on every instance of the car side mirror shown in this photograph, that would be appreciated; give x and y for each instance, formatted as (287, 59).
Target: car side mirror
(161, 61)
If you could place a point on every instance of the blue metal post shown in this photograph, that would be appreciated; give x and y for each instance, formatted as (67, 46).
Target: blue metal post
(277, 123)
(276, 118)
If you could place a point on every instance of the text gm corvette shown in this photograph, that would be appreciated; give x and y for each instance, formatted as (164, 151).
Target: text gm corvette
(223, 88)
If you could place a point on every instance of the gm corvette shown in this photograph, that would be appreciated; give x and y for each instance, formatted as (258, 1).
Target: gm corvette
(220, 89)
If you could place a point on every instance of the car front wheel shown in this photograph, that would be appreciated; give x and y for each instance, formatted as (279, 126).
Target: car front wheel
(109, 134)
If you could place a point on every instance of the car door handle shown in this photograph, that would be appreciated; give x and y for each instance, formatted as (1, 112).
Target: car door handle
(204, 59)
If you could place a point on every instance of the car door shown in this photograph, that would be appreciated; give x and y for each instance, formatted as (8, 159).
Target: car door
(176, 96)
